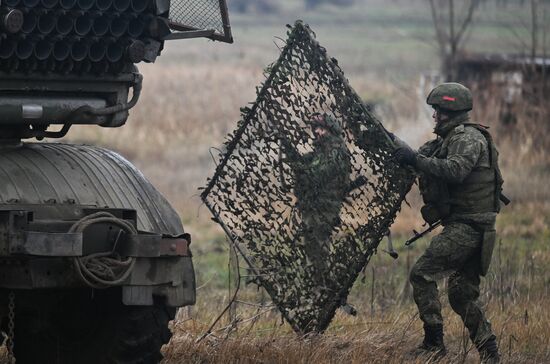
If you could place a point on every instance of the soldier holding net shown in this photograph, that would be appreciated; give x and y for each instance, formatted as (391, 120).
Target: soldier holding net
(461, 185)
(321, 182)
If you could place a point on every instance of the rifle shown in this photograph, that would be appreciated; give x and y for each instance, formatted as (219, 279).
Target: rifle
(505, 200)
(418, 235)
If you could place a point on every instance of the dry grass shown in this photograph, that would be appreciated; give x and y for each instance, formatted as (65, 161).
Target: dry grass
(515, 295)
(386, 337)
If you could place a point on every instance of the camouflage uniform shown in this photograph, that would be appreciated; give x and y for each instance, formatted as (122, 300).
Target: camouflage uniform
(321, 182)
(460, 152)
(461, 186)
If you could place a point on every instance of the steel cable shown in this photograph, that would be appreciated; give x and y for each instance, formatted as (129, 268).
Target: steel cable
(104, 269)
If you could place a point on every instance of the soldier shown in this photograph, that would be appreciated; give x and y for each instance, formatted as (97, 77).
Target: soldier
(461, 186)
(321, 182)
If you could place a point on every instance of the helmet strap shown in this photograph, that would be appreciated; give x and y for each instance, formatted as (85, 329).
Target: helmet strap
(455, 119)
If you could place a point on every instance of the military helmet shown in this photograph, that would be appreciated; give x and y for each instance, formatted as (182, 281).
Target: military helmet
(327, 122)
(451, 96)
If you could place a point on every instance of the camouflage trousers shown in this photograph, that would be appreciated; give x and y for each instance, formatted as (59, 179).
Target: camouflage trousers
(317, 231)
(455, 253)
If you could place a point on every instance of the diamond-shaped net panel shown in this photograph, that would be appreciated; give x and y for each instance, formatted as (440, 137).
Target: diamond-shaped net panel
(306, 207)
(198, 14)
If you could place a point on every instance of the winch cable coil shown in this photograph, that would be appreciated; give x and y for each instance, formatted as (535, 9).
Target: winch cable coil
(104, 269)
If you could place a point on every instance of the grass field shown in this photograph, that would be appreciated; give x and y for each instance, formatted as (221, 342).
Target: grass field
(191, 100)
(515, 296)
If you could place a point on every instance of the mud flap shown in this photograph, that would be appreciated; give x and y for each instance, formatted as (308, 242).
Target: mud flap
(487, 247)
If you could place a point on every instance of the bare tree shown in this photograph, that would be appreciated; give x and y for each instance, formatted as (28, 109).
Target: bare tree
(534, 28)
(450, 25)
(533, 42)
(538, 45)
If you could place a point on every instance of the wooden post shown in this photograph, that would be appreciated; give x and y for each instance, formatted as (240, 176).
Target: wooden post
(233, 276)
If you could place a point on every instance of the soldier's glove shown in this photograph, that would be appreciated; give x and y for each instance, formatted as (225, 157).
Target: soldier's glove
(405, 156)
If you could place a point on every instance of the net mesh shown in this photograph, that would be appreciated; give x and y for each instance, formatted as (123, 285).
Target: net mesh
(306, 217)
(197, 14)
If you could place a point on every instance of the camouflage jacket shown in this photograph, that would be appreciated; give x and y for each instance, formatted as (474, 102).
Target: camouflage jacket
(453, 157)
(322, 176)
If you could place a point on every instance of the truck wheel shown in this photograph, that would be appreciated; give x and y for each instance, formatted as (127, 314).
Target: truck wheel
(92, 333)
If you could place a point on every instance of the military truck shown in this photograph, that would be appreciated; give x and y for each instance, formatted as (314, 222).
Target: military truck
(93, 259)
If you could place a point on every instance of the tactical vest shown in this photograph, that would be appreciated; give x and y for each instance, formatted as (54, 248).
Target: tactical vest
(479, 192)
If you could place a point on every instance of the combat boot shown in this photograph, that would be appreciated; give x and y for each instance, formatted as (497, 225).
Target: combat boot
(432, 345)
(488, 351)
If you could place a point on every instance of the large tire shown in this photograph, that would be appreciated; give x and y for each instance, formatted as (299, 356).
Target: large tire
(93, 330)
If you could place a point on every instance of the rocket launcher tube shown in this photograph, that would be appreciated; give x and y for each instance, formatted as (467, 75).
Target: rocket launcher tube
(25, 48)
(121, 5)
(67, 4)
(85, 4)
(79, 50)
(115, 52)
(83, 25)
(43, 49)
(48, 4)
(12, 20)
(97, 51)
(31, 3)
(29, 23)
(119, 26)
(103, 5)
(136, 27)
(139, 6)
(100, 26)
(8, 47)
(65, 24)
(11, 3)
(61, 50)
(46, 22)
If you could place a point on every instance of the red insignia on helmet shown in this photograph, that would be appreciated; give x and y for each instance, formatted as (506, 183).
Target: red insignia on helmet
(449, 98)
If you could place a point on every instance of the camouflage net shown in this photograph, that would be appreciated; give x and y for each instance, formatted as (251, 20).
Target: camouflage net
(199, 14)
(253, 197)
